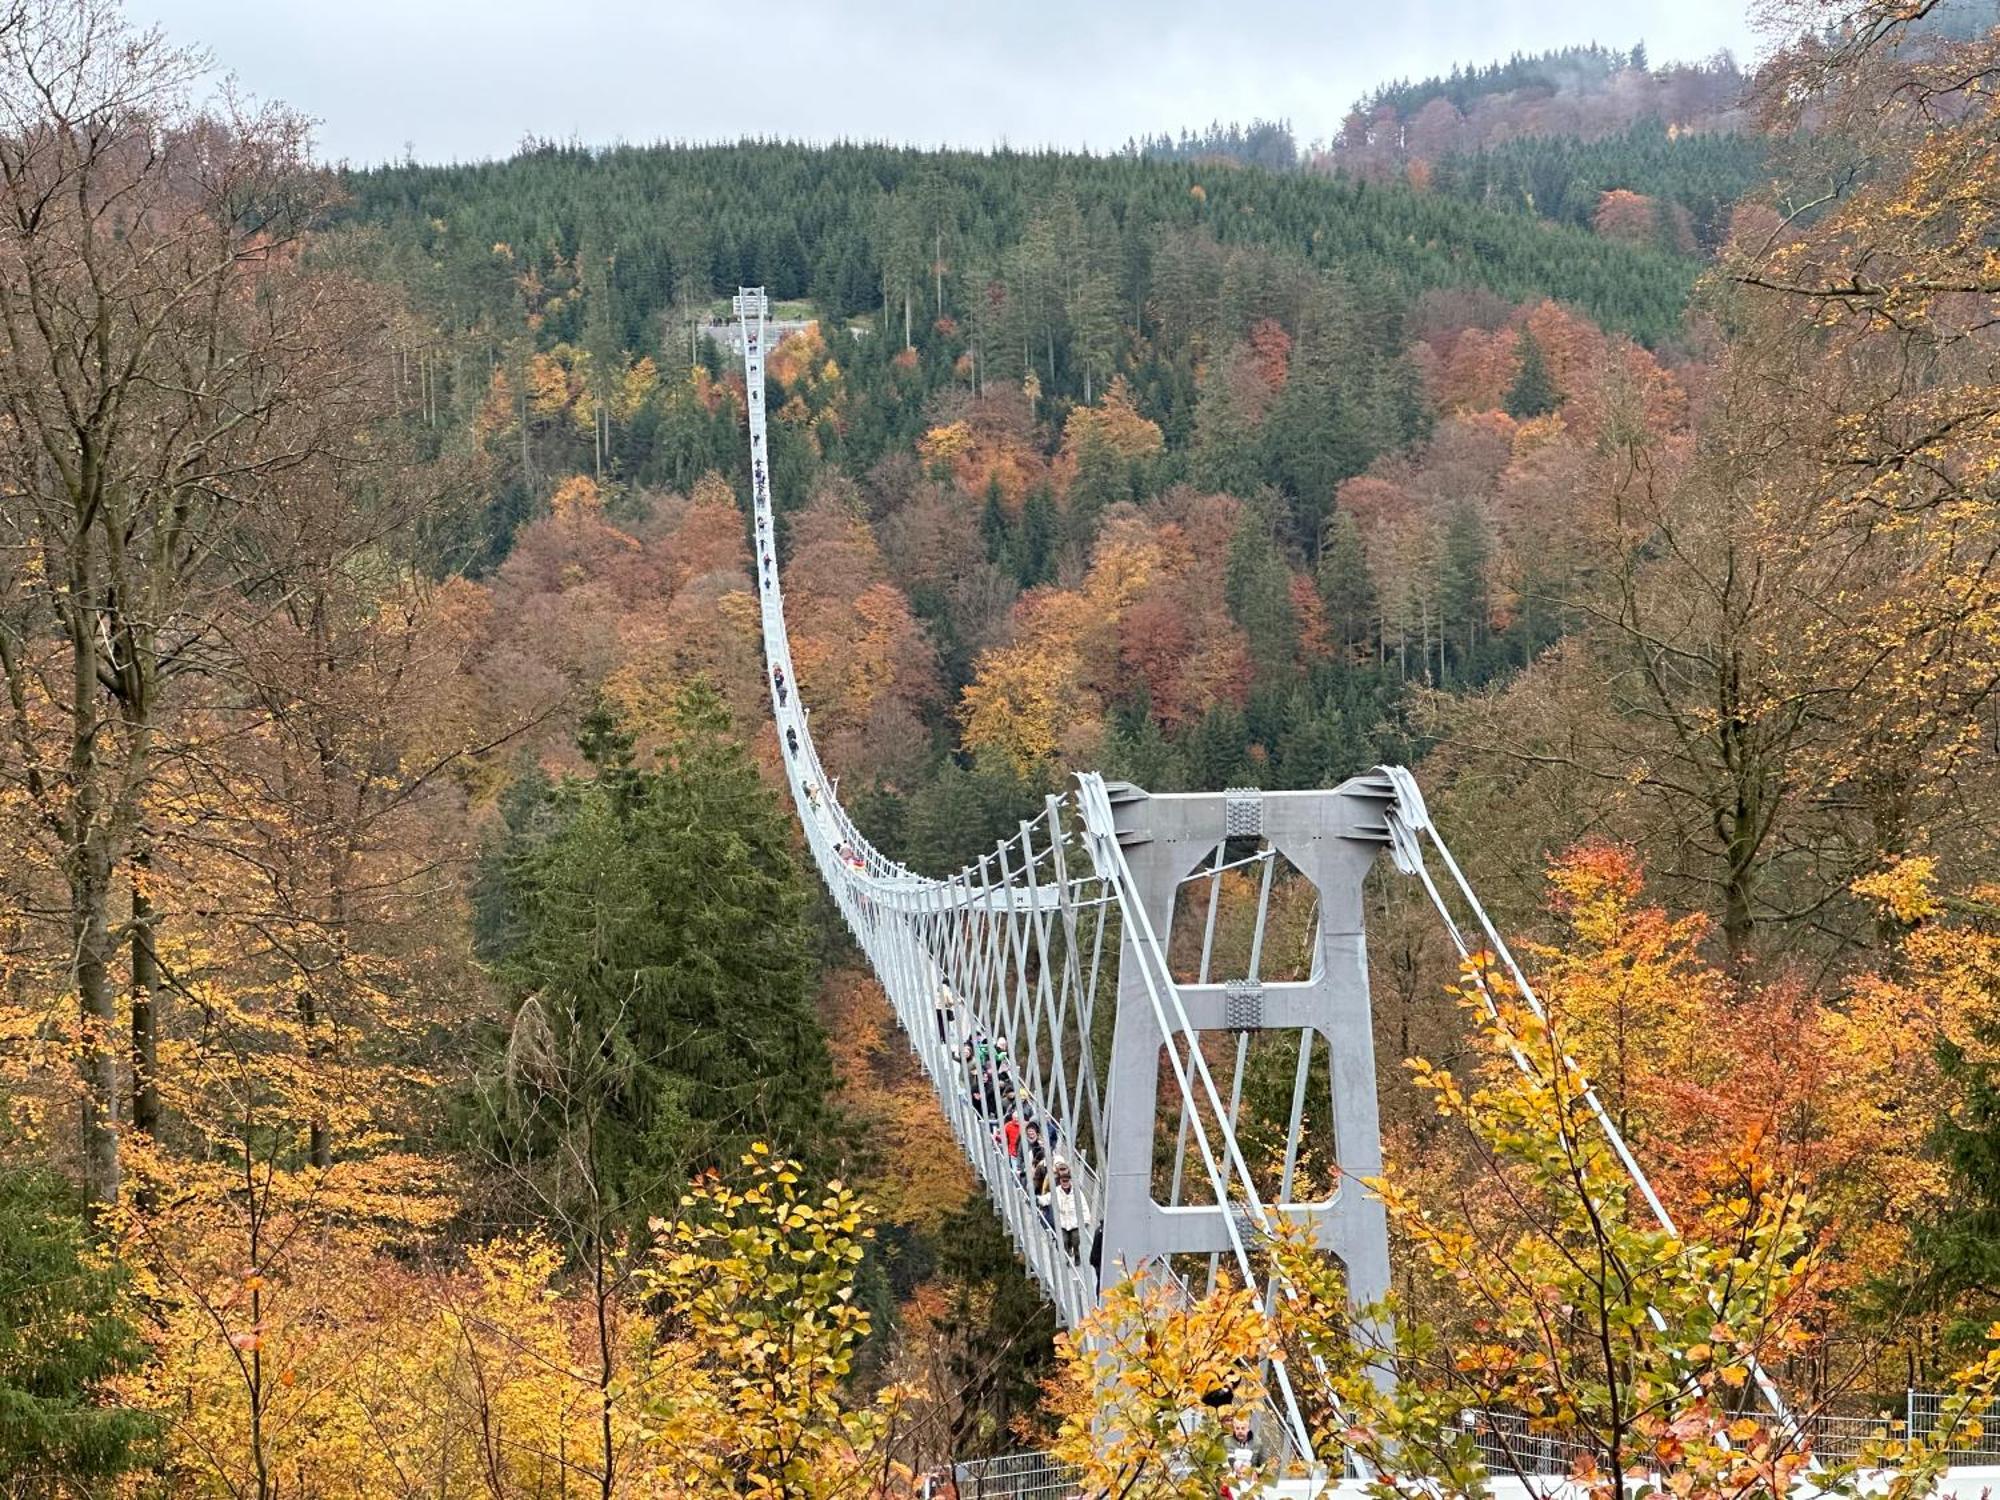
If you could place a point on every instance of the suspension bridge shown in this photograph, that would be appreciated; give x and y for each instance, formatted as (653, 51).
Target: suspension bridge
(1057, 992)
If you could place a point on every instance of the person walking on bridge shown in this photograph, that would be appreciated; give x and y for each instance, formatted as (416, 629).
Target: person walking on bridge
(1068, 1208)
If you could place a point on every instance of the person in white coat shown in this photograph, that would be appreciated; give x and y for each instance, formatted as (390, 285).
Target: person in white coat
(1068, 1209)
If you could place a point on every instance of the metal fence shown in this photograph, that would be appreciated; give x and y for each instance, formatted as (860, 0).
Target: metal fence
(1971, 1443)
(1012, 1476)
(1508, 1445)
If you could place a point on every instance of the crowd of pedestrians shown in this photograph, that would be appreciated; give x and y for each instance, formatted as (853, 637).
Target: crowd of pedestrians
(1028, 1136)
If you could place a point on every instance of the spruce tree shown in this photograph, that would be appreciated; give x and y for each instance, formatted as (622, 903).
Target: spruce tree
(1463, 595)
(65, 1330)
(1218, 751)
(1257, 585)
(659, 940)
(959, 814)
(1102, 479)
(1957, 1253)
(997, 530)
(1313, 440)
(1533, 393)
(1347, 587)
(1041, 535)
(1227, 450)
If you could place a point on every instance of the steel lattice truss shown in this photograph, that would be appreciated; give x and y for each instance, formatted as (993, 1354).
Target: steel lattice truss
(1093, 974)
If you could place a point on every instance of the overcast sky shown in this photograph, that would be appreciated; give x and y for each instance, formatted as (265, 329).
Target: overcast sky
(465, 79)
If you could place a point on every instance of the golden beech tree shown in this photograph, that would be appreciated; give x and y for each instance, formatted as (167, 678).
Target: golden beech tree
(1588, 1333)
(864, 661)
(1147, 1385)
(1150, 613)
(1789, 633)
(890, 1099)
(634, 611)
(1835, 1085)
(1586, 1317)
(342, 1363)
(1771, 687)
(758, 1281)
(1629, 985)
(1026, 698)
(1895, 271)
(361, 1375)
(175, 367)
(1569, 1322)
(1114, 424)
(1584, 1329)
(1041, 695)
(1940, 995)
(988, 444)
(509, 1397)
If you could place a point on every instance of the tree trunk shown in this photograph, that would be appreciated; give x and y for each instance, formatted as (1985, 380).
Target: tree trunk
(1739, 880)
(319, 1138)
(145, 1018)
(90, 859)
(97, 1007)
(606, 1368)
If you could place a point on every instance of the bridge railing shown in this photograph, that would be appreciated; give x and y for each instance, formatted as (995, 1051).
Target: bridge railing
(1509, 1444)
(1011, 1476)
(1033, 950)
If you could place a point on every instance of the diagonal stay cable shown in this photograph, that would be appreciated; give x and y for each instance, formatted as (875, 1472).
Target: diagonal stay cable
(1410, 826)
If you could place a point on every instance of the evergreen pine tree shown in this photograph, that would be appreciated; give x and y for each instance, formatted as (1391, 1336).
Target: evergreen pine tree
(65, 1330)
(1957, 1253)
(1137, 749)
(997, 530)
(1218, 751)
(1102, 479)
(1347, 587)
(1227, 451)
(1319, 745)
(1041, 535)
(1533, 393)
(1257, 584)
(660, 942)
(959, 815)
(1463, 596)
(1313, 440)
